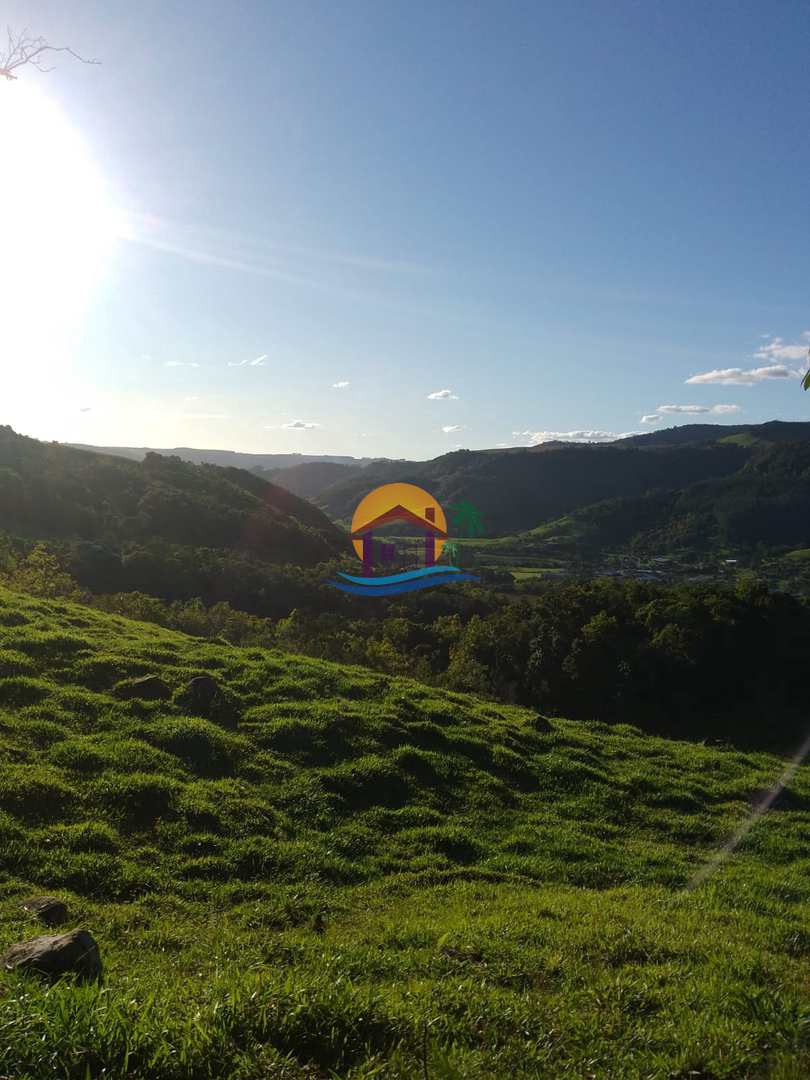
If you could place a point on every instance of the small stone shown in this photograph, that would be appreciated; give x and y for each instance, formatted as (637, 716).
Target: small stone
(47, 909)
(55, 955)
(146, 688)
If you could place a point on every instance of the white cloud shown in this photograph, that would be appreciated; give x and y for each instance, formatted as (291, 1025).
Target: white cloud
(448, 428)
(442, 395)
(537, 437)
(340, 385)
(299, 425)
(694, 409)
(777, 349)
(502, 445)
(650, 418)
(739, 377)
(258, 362)
(180, 363)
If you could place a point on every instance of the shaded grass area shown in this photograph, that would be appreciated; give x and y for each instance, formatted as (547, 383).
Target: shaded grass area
(364, 876)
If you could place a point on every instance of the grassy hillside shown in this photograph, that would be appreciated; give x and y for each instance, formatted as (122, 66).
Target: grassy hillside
(48, 490)
(346, 874)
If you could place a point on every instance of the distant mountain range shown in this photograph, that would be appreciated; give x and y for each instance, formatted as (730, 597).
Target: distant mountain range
(643, 483)
(772, 431)
(232, 458)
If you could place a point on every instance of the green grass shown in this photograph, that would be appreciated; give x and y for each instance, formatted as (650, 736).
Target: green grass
(743, 438)
(366, 877)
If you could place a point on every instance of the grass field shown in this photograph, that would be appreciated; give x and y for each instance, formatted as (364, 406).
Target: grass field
(365, 877)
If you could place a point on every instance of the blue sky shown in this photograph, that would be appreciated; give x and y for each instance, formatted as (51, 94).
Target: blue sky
(553, 216)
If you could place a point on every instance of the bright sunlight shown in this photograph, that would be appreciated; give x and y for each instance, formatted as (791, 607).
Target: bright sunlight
(57, 227)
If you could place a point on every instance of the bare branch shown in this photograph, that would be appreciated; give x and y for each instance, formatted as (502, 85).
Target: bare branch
(25, 49)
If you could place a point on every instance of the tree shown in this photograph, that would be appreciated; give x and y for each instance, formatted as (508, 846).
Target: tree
(42, 574)
(466, 518)
(24, 49)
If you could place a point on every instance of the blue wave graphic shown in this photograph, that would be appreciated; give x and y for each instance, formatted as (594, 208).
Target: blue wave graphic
(406, 575)
(396, 584)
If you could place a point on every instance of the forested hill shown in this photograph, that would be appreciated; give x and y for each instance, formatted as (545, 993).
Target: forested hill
(48, 490)
(766, 504)
(308, 479)
(232, 458)
(774, 431)
(516, 490)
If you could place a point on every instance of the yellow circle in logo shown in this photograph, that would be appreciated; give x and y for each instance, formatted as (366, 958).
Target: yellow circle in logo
(399, 502)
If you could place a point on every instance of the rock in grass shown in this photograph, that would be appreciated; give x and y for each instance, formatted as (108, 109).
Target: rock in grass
(47, 909)
(146, 688)
(54, 955)
(203, 696)
(541, 724)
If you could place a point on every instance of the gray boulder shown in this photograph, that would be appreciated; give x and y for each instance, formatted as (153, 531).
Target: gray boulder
(75, 952)
(47, 909)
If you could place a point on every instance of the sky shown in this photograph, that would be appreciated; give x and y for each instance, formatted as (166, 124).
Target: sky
(394, 229)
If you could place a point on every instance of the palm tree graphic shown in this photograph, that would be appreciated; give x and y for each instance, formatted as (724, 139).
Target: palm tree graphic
(466, 519)
(450, 551)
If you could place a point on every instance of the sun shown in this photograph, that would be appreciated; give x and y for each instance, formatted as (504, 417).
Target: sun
(57, 227)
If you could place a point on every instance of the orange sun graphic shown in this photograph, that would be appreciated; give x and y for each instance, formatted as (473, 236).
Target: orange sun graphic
(398, 502)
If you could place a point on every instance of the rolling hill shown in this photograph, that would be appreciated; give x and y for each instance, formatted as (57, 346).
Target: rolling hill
(520, 488)
(234, 459)
(52, 491)
(516, 490)
(344, 874)
(773, 431)
(765, 504)
(309, 479)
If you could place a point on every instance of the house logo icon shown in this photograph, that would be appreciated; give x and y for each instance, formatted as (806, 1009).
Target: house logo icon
(419, 513)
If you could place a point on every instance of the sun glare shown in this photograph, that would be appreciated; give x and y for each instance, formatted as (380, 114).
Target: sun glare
(56, 228)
